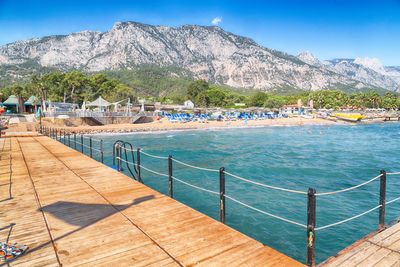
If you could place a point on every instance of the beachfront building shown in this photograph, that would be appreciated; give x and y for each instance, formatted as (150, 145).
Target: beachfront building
(240, 104)
(188, 104)
(293, 109)
(57, 107)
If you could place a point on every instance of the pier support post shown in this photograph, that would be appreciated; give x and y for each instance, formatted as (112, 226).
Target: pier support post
(101, 151)
(138, 166)
(82, 143)
(90, 145)
(75, 141)
(382, 200)
(69, 139)
(311, 205)
(170, 186)
(222, 194)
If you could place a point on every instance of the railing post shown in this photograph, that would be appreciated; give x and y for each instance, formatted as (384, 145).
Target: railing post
(65, 141)
(90, 145)
(311, 205)
(41, 129)
(75, 141)
(101, 151)
(118, 150)
(82, 144)
(69, 139)
(382, 200)
(138, 165)
(222, 194)
(170, 186)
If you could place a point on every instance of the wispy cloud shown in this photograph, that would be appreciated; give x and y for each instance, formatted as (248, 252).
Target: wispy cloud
(216, 20)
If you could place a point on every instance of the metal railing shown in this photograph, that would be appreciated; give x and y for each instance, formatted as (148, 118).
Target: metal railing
(311, 198)
(120, 156)
(82, 114)
(71, 139)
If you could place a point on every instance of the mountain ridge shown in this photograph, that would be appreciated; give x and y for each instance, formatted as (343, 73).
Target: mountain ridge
(368, 70)
(208, 52)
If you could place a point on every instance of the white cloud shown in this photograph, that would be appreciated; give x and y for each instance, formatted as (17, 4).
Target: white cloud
(216, 20)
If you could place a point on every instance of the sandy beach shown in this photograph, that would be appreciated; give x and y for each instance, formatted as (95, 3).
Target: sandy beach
(164, 125)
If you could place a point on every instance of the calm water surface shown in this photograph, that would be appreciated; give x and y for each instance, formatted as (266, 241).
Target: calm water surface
(327, 159)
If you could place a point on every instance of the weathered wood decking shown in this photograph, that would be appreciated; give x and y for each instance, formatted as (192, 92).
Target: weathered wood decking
(72, 210)
(377, 249)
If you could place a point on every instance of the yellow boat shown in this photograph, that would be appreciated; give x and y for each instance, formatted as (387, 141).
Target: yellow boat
(352, 118)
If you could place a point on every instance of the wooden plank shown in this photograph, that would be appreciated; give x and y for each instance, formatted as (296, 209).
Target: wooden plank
(393, 259)
(361, 255)
(100, 217)
(21, 212)
(379, 249)
(374, 258)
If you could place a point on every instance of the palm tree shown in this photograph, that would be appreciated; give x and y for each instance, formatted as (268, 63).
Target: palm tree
(17, 90)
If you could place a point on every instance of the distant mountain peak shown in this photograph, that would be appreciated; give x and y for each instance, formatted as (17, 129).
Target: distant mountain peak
(308, 57)
(371, 63)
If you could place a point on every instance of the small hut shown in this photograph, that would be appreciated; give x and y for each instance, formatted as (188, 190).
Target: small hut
(32, 104)
(11, 103)
(99, 102)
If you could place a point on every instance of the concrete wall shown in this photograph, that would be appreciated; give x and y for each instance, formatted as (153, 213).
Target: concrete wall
(73, 122)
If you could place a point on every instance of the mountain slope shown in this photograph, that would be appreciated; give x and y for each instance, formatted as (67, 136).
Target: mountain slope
(208, 52)
(367, 70)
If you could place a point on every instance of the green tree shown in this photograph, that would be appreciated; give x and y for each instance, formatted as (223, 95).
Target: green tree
(196, 87)
(258, 99)
(390, 101)
(274, 102)
(202, 99)
(216, 97)
(18, 91)
(73, 86)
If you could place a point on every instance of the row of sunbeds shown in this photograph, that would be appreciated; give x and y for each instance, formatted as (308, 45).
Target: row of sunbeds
(203, 118)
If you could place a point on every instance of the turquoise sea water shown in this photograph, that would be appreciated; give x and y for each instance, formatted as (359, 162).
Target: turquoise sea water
(327, 159)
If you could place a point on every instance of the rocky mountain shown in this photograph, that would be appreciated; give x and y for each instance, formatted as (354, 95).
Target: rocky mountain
(367, 70)
(209, 53)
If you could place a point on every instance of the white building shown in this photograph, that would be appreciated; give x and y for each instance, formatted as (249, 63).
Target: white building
(188, 104)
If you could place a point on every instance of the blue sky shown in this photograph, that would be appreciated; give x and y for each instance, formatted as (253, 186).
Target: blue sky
(328, 29)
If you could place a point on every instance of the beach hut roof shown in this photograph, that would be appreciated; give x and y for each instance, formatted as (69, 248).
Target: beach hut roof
(31, 100)
(99, 102)
(11, 100)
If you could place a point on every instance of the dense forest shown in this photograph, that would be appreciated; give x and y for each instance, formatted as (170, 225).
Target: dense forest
(76, 87)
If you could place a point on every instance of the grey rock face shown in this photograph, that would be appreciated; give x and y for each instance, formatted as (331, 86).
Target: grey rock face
(209, 52)
(367, 70)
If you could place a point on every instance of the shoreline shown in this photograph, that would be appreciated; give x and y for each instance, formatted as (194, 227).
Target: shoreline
(165, 125)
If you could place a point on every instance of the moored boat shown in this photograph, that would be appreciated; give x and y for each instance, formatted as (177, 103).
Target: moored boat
(351, 118)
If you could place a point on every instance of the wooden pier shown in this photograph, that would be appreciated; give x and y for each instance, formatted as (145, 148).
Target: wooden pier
(72, 210)
(376, 249)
